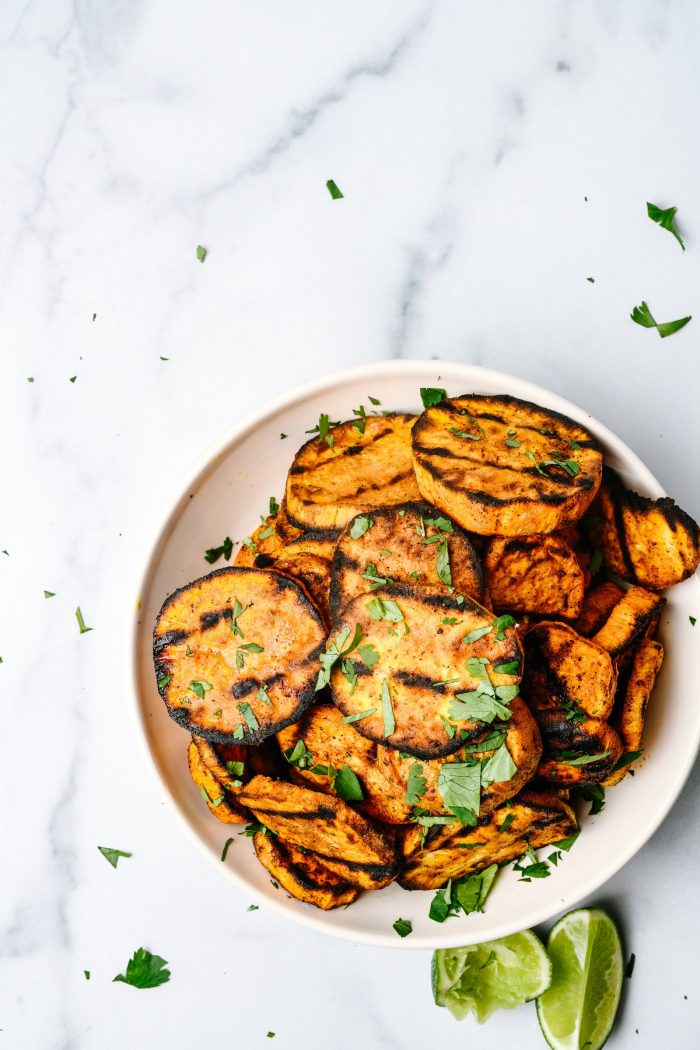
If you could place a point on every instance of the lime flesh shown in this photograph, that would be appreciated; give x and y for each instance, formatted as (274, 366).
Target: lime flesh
(579, 1007)
(483, 978)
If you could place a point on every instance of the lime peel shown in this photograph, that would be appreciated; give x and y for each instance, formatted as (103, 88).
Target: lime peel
(579, 1007)
(483, 978)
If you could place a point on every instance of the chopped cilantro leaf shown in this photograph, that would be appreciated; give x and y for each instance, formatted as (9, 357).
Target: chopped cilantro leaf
(506, 822)
(361, 525)
(199, 688)
(49, 594)
(443, 564)
(112, 855)
(502, 623)
(625, 760)
(500, 767)
(566, 843)
(247, 712)
(693, 621)
(478, 706)
(224, 851)
(299, 755)
(347, 786)
(387, 710)
(368, 654)
(332, 188)
(384, 610)
(374, 400)
(214, 553)
(665, 217)
(323, 428)
(568, 759)
(335, 652)
(474, 635)
(81, 622)
(201, 252)
(144, 970)
(348, 719)
(214, 801)
(459, 784)
(417, 784)
(403, 927)
(431, 395)
(629, 969)
(642, 315)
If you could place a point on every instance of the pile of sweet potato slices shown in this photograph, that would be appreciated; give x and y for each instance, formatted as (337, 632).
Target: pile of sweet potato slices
(444, 630)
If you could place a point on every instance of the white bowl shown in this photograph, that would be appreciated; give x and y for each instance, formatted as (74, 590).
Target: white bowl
(225, 495)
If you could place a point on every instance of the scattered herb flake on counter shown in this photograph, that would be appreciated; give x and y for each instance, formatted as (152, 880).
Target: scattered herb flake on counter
(87, 974)
(374, 400)
(642, 315)
(144, 970)
(94, 317)
(224, 851)
(81, 622)
(591, 280)
(112, 855)
(30, 379)
(629, 969)
(164, 358)
(693, 621)
(403, 927)
(361, 525)
(431, 395)
(665, 217)
(214, 553)
(332, 188)
(201, 252)
(282, 437)
(253, 907)
(49, 594)
(72, 379)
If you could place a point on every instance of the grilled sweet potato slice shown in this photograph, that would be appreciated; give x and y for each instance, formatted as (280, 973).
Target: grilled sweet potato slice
(334, 743)
(302, 875)
(597, 606)
(263, 543)
(564, 670)
(327, 486)
(237, 687)
(650, 542)
(408, 697)
(287, 532)
(220, 801)
(538, 574)
(402, 544)
(646, 665)
(520, 735)
(313, 574)
(219, 759)
(535, 818)
(634, 617)
(341, 838)
(578, 751)
(465, 466)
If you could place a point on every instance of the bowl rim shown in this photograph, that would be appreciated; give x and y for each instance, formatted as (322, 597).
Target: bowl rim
(157, 539)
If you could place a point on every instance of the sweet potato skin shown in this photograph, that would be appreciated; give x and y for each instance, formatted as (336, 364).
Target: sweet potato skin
(423, 660)
(563, 668)
(565, 739)
(653, 543)
(219, 800)
(538, 574)
(340, 837)
(327, 486)
(302, 875)
(632, 618)
(210, 678)
(492, 488)
(395, 545)
(537, 818)
(335, 743)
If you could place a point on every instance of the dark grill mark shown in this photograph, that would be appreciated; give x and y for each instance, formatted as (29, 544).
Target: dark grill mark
(322, 813)
(243, 688)
(353, 450)
(169, 638)
(264, 561)
(210, 619)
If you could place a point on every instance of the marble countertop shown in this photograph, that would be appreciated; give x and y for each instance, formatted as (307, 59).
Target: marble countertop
(492, 158)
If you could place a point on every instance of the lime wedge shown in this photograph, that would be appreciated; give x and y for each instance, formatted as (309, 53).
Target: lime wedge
(483, 978)
(578, 1009)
